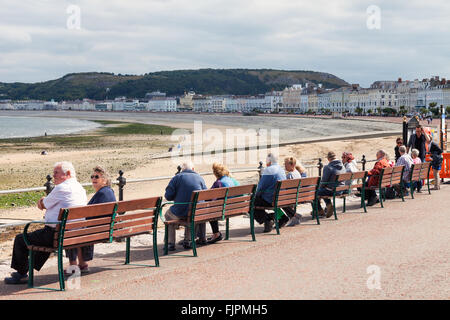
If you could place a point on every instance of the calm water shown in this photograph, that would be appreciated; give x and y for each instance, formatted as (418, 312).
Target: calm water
(21, 127)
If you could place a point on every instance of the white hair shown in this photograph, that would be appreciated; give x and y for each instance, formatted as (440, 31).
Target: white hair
(187, 166)
(402, 149)
(415, 152)
(65, 167)
(271, 158)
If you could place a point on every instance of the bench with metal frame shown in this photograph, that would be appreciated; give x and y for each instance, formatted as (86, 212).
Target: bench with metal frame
(419, 172)
(98, 223)
(215, 204)
(343, 186)
(389, 177)
(292, 192)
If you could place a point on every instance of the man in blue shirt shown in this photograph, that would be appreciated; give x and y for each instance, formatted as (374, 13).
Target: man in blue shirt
(265, 191)
(180, 190)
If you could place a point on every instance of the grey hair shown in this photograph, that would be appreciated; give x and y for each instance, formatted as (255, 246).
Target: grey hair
(402, 149)
(382, 152)
(415, 152)
(105, 175)
(271, 158)
(65, 167)
(188, 165)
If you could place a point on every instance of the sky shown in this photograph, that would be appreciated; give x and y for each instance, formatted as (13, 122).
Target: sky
(358, 41)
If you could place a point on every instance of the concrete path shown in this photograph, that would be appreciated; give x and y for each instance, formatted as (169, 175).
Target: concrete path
(399, 252)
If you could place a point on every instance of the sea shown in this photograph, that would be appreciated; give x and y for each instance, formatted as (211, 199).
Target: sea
(24, 127)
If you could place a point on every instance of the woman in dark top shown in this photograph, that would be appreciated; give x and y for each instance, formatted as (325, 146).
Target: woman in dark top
(399, 143)
(104, 193)
(436, 162)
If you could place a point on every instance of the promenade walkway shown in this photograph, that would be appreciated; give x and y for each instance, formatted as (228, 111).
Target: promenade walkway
(407, 245)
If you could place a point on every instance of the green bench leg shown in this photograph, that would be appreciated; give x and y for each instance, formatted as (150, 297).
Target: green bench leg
(315, 211)
(344, 208)
(127, 254)
(428, 184)
(252, 226)
(381, 198)
(155, 246)
(166, 240)
(411, 188)
(363, 199)
(334, 207)
(61, 270)
(30, 268)
(227, 230)
(401, 191)
(194, 247)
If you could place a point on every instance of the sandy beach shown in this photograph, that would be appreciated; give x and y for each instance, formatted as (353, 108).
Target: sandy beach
(23, 166)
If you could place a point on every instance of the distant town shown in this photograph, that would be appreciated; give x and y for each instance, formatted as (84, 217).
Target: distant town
(383, 97)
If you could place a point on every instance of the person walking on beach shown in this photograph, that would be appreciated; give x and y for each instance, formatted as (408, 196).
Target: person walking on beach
(67, 193)
(180, 189)
(418, 140)
(265, 191)
(103, 193)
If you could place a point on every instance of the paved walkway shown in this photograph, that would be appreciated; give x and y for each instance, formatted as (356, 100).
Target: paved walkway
(399, 252)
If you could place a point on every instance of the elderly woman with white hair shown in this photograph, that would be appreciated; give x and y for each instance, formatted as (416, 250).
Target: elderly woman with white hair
(416, 160)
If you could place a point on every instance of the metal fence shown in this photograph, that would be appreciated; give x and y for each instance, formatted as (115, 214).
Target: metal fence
(314, 168)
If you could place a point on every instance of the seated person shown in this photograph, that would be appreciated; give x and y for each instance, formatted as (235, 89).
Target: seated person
(67, 193)
(265, 191)
(374, 177)
(327, 183)
(103, 193)
(293, 172)
(416, 160)
(404, 160)
(224, 180)
(180, 190)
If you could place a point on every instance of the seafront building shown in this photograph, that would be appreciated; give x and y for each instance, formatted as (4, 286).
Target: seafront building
(406, 96)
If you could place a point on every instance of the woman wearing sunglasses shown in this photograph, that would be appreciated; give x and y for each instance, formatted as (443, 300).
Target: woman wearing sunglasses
(103, 193)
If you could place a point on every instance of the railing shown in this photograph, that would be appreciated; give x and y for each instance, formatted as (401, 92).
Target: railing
(121, 181)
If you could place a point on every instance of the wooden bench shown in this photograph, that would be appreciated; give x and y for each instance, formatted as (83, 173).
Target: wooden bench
(292, 192)
(216, 204)
(352, 181)
(419, 172)
(389, 177)
(99, 223)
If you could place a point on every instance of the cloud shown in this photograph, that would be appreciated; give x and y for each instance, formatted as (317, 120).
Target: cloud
(140, 36)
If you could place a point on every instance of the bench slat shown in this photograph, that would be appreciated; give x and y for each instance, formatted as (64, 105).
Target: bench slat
(132, 231)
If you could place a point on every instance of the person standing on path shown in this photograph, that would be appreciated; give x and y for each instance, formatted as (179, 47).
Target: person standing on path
(417, 141)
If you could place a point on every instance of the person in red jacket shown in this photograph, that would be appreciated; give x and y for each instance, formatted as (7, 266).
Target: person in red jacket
(374, 177)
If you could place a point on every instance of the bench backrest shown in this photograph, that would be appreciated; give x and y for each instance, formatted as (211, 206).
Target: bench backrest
(420, 171)
(101, 223)
(220, 203)
(308, 189)
(391, 176)
(286, 193)
(352, 180)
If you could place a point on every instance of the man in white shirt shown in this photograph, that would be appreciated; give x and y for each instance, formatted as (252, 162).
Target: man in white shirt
(67, 193)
